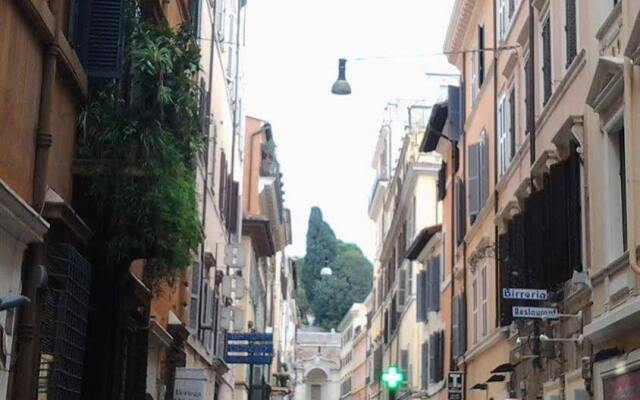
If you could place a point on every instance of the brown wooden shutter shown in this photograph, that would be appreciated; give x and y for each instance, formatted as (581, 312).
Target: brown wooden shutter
(473, 183)
(571, 30)
(546, 59)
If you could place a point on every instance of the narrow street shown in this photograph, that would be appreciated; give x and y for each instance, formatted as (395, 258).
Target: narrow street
(338, 200)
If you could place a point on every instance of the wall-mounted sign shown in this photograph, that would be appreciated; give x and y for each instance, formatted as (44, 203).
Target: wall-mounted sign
(534, 312)
(189, 384)
(249, 348)
(234, 255)
(455, 386)
(525, 294)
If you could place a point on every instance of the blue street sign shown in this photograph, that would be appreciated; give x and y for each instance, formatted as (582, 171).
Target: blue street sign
(252, 360)
(248, 348)
(252, 337)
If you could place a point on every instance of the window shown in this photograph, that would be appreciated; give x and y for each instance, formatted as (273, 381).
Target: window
(477, 74)
(196, 278)
(478, 176)
(474, 309)
(506, 12)
(480, 306)
(528, 92)
(460, 211)
(506, 130)
(484, 301)
(570, 29)
(546, 60)
(616, 193)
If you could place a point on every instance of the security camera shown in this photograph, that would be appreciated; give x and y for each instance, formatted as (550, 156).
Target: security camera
(12, 301)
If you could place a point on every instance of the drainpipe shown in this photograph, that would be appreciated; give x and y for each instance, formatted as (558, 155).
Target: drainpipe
(630, 193)
(26, 373)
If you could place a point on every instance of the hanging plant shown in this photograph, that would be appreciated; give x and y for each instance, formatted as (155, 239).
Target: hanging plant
(145, 130)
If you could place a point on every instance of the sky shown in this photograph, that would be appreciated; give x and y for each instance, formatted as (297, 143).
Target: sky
(325, 143)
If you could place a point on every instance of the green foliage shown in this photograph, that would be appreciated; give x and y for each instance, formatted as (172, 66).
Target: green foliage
(146, 129)
(329, 298)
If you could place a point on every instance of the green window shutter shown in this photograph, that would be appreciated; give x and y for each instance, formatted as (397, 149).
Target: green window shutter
(102, 48)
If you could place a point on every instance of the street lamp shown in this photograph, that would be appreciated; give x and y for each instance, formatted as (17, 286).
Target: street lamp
(12, 301)
(341, 87)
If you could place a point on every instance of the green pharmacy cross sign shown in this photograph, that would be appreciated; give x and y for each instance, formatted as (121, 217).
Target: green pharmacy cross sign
(392, 377)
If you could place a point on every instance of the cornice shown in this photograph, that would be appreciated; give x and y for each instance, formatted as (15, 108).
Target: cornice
(458, 24)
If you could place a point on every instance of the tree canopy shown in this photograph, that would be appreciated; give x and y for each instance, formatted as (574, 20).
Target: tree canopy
(330, 297)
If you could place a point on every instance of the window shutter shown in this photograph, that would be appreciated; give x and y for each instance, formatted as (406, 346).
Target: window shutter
(232, 224)
(425, 366)
(102, 49)
(546, 59)
(442, 181)
(480, 55)
(454, 118)
(435, 284)
(440, 358)
(462, 325)
(484, 170)
(512, 123)
(571, 30)
(194, 14)
(404, 363)
(528, 70)
(402, 290)
(420, 298)
(196, 278)
(574, 211)
(433, 352)
(460, 211)
(455, 327)
(559, 232)
(222, 196)
(474, 180)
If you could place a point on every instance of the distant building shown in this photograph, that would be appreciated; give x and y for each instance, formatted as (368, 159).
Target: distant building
(317, 364)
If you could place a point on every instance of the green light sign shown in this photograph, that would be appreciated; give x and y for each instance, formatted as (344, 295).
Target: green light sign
(392, 377)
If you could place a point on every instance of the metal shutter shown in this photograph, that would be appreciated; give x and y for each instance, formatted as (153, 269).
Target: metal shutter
(570, 29)
(102, 49)
(546, 59)
(474, 181)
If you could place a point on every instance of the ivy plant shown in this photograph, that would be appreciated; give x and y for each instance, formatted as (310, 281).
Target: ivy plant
(145, 129)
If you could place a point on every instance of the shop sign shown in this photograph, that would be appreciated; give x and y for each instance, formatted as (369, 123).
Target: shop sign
(525, 294)
(189, 384)
(534, 312)
(455, 386)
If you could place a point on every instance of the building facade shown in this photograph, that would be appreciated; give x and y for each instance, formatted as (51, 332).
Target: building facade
(351, 362)
(537, 195)
(404, 208)
(317, 356)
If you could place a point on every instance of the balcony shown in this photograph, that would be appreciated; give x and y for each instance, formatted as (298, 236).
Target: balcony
(378, 184)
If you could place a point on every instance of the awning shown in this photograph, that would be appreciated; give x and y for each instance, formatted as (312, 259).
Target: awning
(438, 118)
(421, 241)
